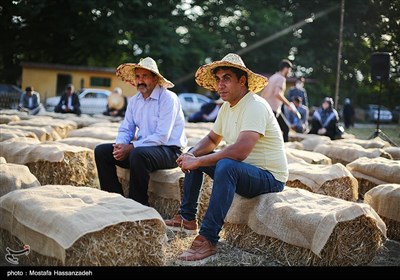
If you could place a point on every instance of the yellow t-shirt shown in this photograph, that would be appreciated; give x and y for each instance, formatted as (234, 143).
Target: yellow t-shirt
(253, 113)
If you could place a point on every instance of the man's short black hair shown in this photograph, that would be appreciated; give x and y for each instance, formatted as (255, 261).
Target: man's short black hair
(238, 72)
(285, 64)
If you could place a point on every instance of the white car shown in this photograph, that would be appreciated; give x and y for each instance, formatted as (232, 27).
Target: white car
(93, 101)
(192, 102)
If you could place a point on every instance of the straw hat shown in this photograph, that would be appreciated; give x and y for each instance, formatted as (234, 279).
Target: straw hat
(126, 71)
(205, 77)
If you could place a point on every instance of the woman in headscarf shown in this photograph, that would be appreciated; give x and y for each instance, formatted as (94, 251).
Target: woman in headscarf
(325, 119)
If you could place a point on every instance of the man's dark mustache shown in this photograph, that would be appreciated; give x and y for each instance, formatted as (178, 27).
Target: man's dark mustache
(144, 85)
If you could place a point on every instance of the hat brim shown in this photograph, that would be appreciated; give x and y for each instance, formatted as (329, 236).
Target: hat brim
(126, 73)
(205, 78)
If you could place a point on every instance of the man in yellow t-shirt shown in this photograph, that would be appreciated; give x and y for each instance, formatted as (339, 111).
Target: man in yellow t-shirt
(253, 162)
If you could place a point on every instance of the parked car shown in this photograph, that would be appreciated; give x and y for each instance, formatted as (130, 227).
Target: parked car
(192, 102)
(9, 96)
(371, 114)
(396, 114)
(93, 101)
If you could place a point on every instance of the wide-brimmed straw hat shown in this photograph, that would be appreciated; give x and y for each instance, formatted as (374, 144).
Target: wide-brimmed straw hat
(205, 77)
(126, 71)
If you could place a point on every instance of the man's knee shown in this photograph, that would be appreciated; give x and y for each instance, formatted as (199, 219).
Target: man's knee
(103, 150)
(225, 165)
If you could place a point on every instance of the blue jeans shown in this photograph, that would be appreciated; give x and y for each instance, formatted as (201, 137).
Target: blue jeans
(229, 176)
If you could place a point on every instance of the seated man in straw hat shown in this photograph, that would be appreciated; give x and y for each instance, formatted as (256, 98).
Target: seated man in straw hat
(253, 163)
(154, 115)
(116, 104)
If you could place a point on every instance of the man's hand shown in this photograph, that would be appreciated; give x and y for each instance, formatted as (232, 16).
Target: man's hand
(187, 162)
(121, 151)
(322, 131)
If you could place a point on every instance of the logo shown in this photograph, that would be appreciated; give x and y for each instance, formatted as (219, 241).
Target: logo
(11, 255)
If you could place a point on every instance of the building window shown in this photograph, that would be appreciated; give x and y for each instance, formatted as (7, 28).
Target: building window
(100, 82)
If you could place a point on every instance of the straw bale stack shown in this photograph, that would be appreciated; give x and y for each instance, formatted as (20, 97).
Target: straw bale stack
(297, 227)
(95, 132)
(345, 153)
(166, 190)
(312, 140)
(87, 142)
(371, 143)
(332, 180)
(373, 172)
(385, 199)
(5, 119)
(310, 157)
(393, 151)
(82, 120)
(53, 163)
(64, 225)
(14, 112)
(104, 124)
(14, 177)
(7, 134)
(62, 127)
(294, 145)
(43, 133)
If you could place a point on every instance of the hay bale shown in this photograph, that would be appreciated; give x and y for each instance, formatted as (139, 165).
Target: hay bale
(166, 190)
(345, 153)
(53, 163)
(385, 199)
(294, 145)
(86, 142)
(309, 157)
(101, 229)
(62, 127)
(311, 141)
(393, 151)
(95, 132)
(332, 180)
(15, 177)
(82, 121)
(5, 119)
(371, 143)
(373, 172)
(104, 124)
(301, 228)
(14, 112)
(7, 134)
(296, 137)
(43, 133)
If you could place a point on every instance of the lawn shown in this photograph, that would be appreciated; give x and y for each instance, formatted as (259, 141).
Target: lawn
(364, 131)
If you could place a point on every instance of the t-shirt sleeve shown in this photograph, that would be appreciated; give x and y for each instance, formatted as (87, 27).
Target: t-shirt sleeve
(255, 118)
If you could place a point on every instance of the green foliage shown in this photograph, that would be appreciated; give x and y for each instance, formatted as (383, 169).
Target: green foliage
(184, 34)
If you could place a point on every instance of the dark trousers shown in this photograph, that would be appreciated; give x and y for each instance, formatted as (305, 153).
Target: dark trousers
(284, 125)
(141, 161)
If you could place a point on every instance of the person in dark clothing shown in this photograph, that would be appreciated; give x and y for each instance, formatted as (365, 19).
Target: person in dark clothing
(348, 113)
(30, 102)
(298, 91)
(325, 119)
(69, 102)
(208, 112)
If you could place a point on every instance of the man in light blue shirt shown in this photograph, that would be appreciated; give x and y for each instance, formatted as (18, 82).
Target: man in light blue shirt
(151, 135)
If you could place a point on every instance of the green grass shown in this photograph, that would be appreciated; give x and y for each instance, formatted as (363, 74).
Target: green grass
(364, 131)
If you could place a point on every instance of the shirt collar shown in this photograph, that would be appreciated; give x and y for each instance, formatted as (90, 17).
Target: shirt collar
(155, 94)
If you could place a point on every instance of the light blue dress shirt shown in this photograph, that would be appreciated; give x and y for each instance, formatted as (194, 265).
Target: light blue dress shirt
(157, 120)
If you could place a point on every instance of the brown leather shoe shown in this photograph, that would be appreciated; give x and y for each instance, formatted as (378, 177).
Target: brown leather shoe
(199, 253)
(177, 223)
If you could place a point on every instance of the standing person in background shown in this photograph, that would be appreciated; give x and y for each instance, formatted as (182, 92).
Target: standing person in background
(30, 101)
(299, 125)
(325, 119)
(274, 94)
(298, 90)
(117, 103)
(348, 113)
(69, 102)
